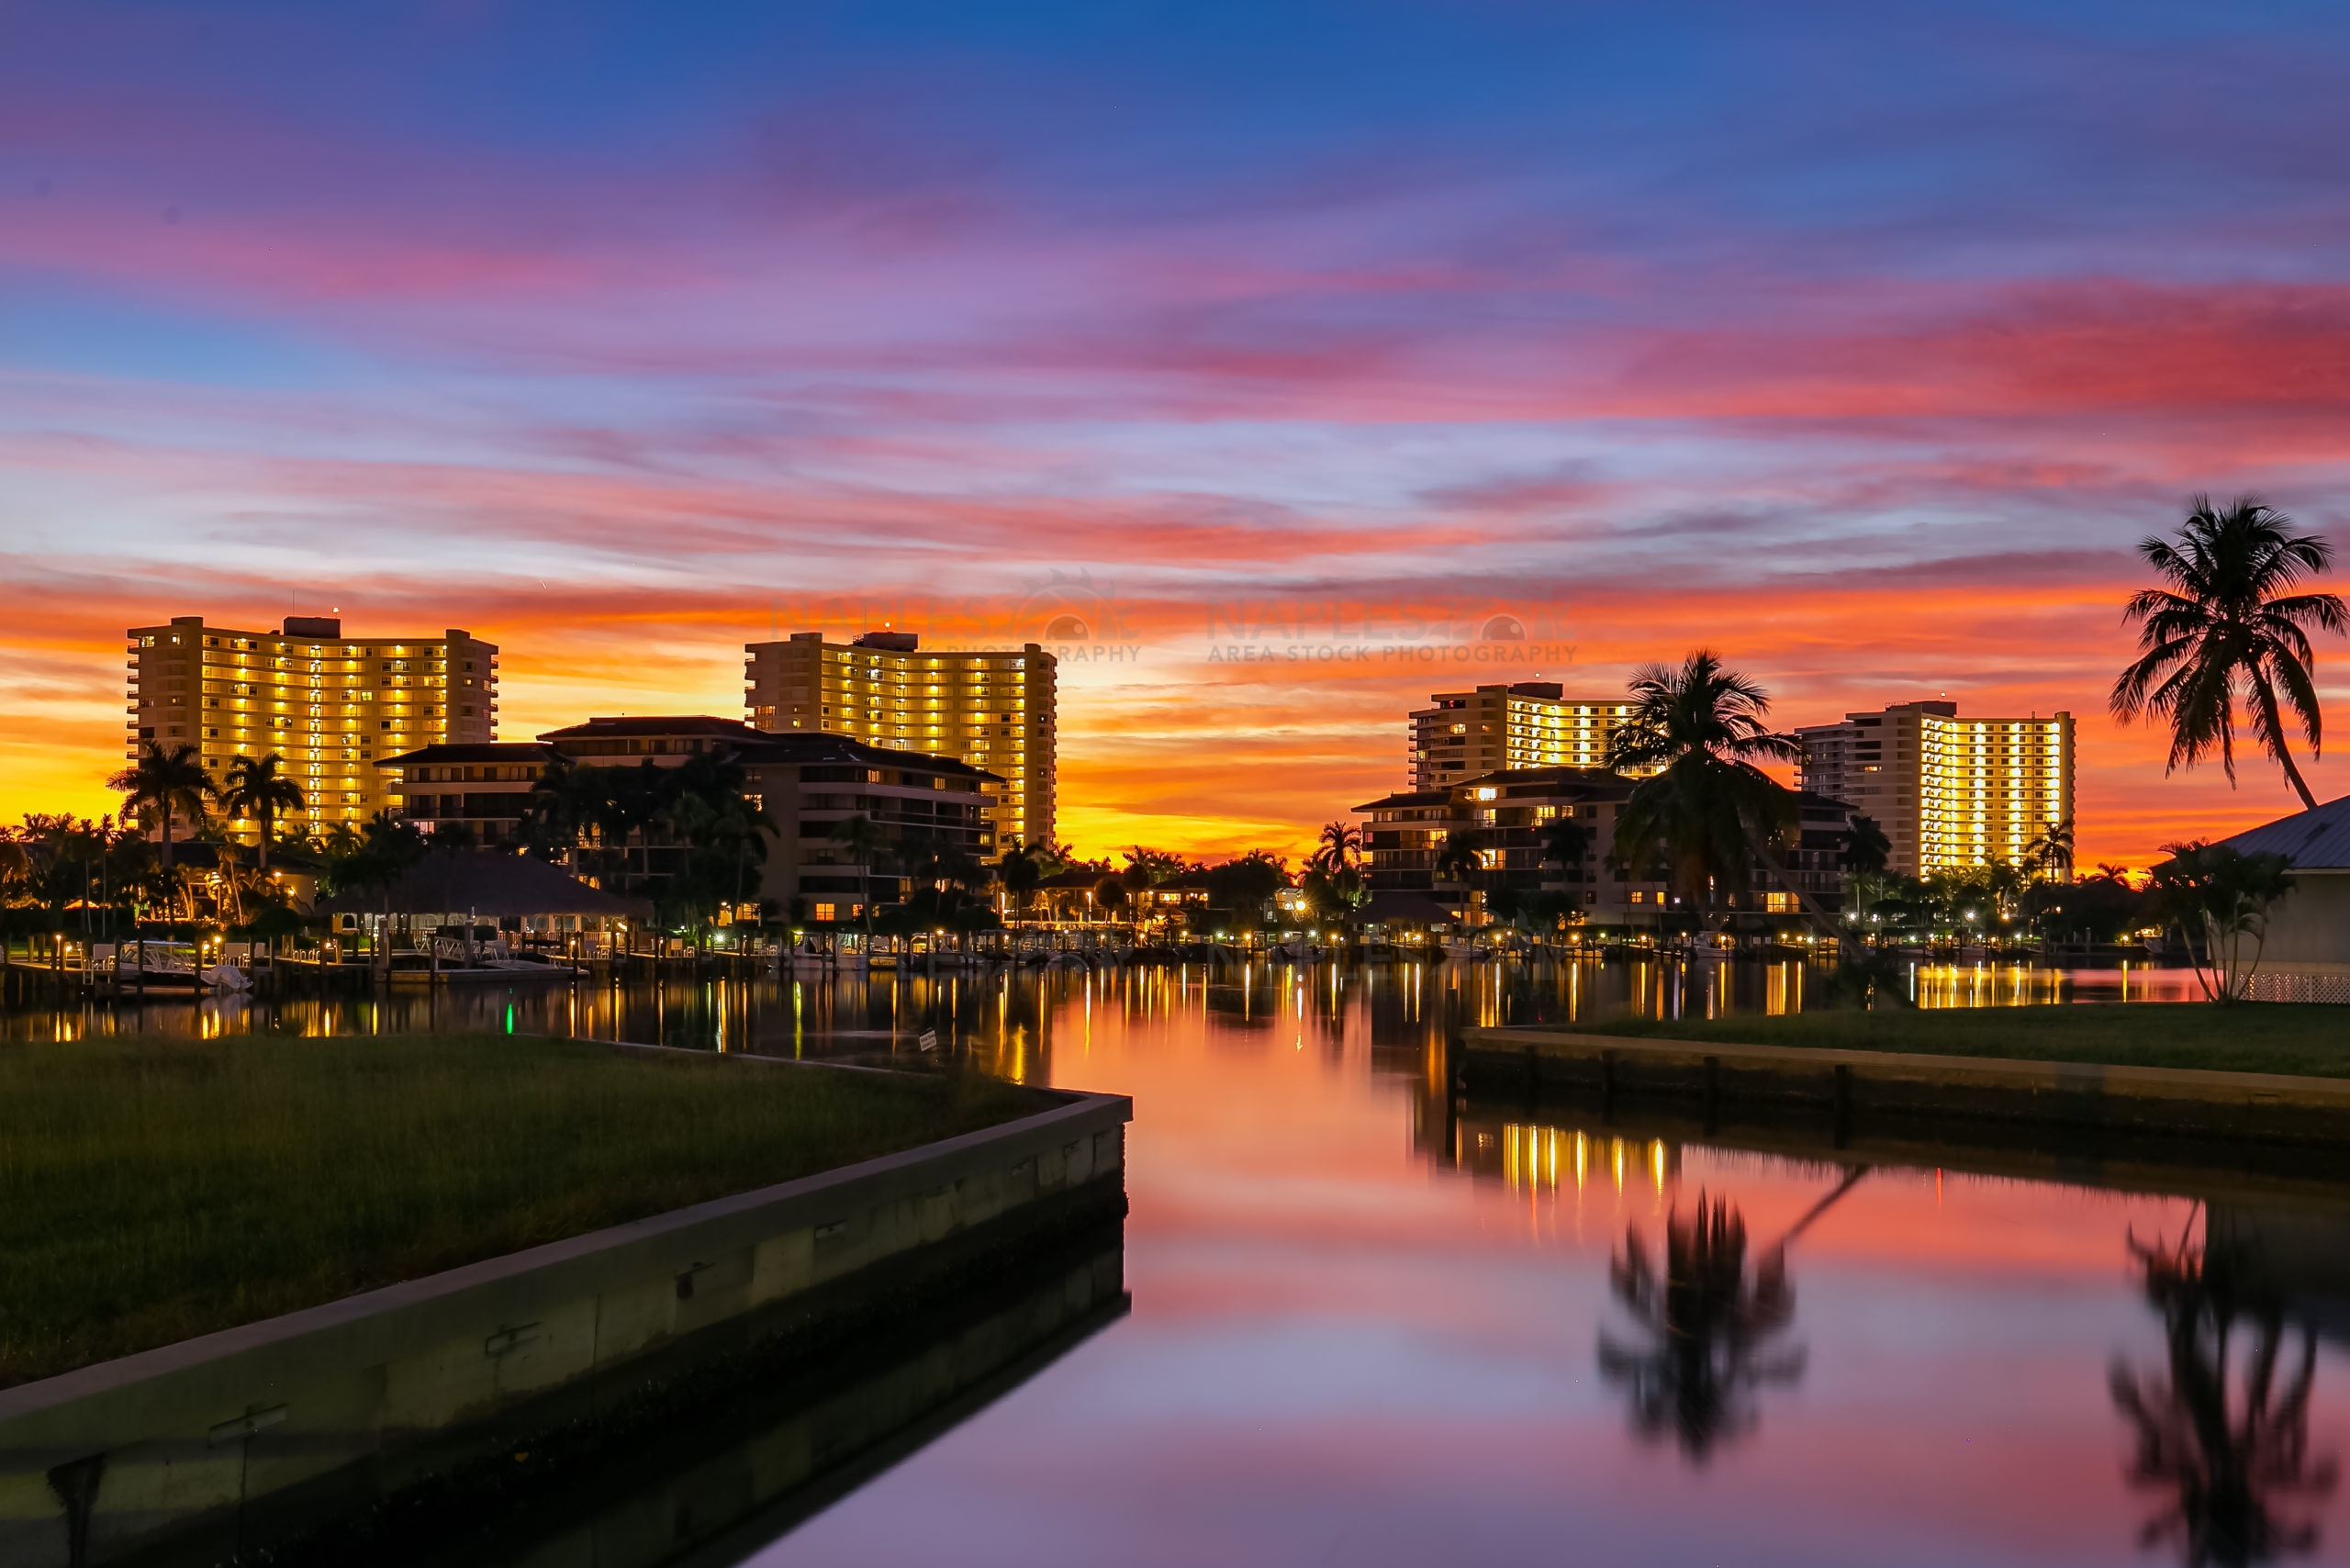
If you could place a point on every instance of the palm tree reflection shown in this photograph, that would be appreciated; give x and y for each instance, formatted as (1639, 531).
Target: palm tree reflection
(2234, 1458)
(1707, 1329)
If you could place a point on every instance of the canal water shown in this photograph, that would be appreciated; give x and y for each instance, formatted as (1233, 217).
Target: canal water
(1372, 1324)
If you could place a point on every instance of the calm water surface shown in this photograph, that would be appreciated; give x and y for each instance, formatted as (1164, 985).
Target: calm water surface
(1370, 1326)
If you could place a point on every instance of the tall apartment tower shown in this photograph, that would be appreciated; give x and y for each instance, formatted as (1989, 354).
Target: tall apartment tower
(1531, 724)
(327, 704)
(992, 709)
(1949, 792)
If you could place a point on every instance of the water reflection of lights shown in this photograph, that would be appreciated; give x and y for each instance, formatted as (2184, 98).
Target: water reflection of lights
(1985, 985)
(1002, 1020)
(1533, 1157)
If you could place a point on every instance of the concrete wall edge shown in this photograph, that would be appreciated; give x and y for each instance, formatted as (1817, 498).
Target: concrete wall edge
(335, 1332)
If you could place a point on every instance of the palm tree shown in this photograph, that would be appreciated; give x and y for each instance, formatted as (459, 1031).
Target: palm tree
(387, 848)
(2218, 892)
(1710, 808)
(739, 833)
(2051, 851)
(2225, 630)
(1457, 856)
(1867, 850)
(633, 800)
(256, 788)
(1020, 874)
(866, 844)
(1565, 843)
(1341, 846)
(173, 783)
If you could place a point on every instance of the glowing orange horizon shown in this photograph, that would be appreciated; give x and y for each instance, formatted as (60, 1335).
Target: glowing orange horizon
(1173, 746)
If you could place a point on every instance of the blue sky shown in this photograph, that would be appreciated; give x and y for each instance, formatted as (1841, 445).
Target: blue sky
(1861, 340)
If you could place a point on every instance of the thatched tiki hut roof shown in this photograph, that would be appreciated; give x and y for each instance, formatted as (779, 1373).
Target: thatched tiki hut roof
(490, 886)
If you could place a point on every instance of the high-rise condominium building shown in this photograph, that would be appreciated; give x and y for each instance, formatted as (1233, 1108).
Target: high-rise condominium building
(328, 705)
(1531, 724)
(1949, 792)
(994, 710)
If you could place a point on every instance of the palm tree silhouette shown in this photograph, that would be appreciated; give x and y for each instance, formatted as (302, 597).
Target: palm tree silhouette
(1706, 1330)
(1341, 846)
(1457, 856)
(256, 788)
(1565, 842)
(2051, 851)
(2225, 630)
(1020, 874)
(1710, 806)
(865, 843)
(171, 782)
(2231, 1446)
(387, 850)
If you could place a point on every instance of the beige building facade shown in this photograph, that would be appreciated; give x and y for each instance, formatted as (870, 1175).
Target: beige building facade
(331, 706)
(1533, 723)
(809, 784)
(1949, 792)
(992, 709)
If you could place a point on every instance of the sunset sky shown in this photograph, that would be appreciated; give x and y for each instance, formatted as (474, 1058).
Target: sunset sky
(1859, 342)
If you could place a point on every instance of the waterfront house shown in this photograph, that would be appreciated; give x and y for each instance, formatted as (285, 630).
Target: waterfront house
(2309, 932)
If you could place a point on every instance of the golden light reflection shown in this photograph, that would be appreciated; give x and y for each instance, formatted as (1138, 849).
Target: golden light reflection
(1538, 1159)
(1986, 985)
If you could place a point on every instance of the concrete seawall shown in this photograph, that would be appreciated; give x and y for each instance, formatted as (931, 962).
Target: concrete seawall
(248, 1436)
(720, 1473)
(2159, 1100)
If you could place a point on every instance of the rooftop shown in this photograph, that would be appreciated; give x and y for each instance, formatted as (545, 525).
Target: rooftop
(496, 751)
(780, 748)
(1513, 784)
(797, 746)
(659, 724)
(490, 884)
(2315, 840)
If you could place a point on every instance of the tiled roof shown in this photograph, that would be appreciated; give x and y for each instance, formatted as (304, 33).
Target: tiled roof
(796, 746)
(1518, 783)
(1409, 798)
(495, 751)
(2315, 840)
(755, 745)
(657, 725)
(489, 883)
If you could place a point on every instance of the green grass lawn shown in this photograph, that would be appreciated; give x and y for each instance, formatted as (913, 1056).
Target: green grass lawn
(153, 1190)
(2252, 1036)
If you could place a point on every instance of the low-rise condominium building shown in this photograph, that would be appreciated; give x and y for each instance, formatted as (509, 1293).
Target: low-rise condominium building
(1506, 818)
(808, 783)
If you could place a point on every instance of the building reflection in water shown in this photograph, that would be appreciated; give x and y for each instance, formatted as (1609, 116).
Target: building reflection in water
(2220, 1429)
